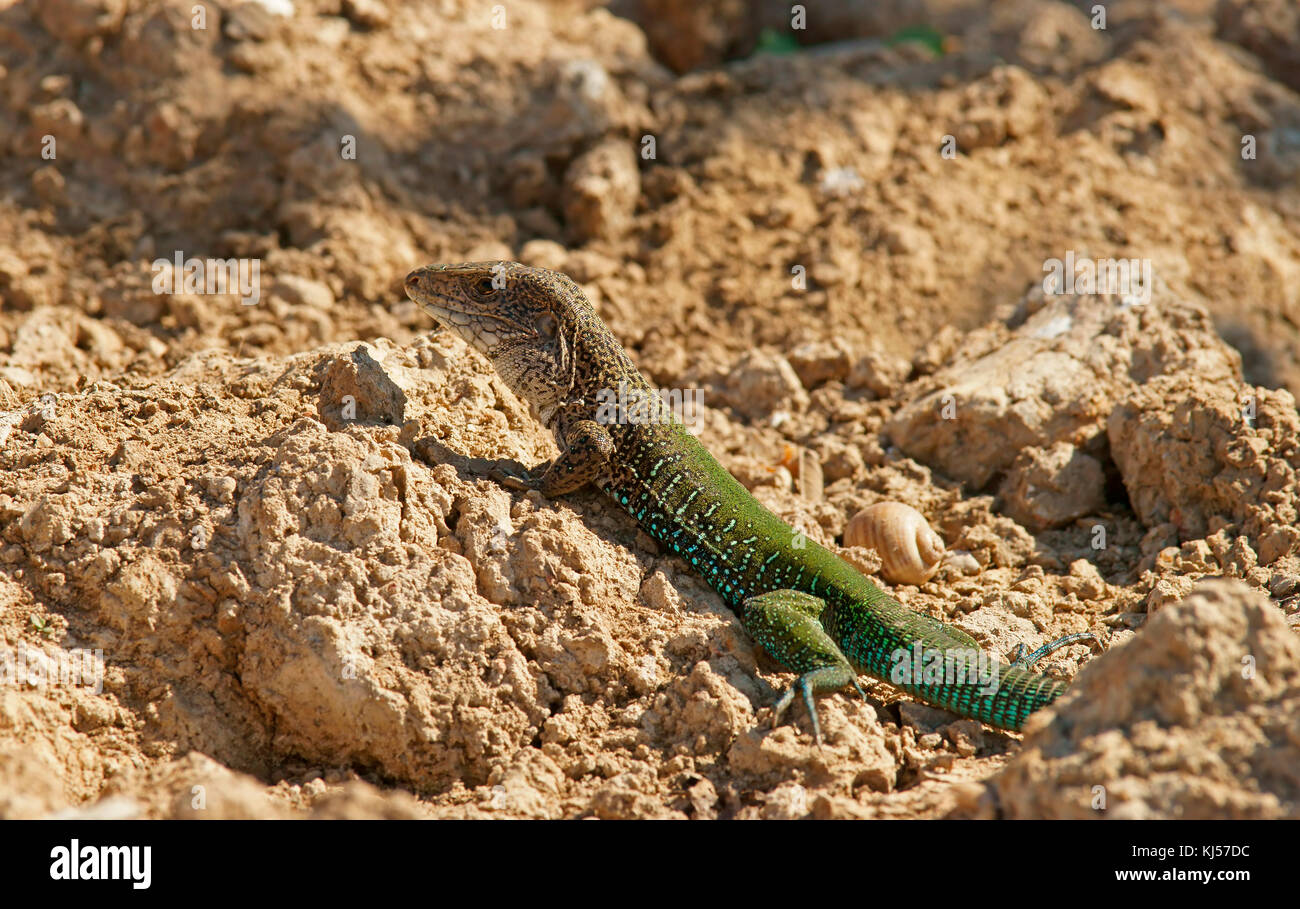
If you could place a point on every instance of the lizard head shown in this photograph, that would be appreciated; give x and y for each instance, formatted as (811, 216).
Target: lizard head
(524, 320)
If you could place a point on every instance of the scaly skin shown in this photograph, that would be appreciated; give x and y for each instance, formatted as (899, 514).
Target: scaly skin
(809, 608)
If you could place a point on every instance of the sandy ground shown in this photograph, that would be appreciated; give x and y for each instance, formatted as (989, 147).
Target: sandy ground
(250, 567)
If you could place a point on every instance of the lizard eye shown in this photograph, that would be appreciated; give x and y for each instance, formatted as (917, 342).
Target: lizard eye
(484, 287)
(545, 324)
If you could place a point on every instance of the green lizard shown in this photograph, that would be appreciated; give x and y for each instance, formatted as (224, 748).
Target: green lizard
(809, 608)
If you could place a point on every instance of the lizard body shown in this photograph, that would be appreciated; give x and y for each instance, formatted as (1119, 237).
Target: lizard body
(809, 608)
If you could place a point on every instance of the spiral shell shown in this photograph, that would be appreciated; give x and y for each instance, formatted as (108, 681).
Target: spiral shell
(909, 550)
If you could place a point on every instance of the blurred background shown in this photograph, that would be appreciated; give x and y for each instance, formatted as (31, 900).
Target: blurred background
(678, 157)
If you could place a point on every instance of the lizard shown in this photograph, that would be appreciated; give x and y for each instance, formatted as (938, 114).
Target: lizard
(811, 610)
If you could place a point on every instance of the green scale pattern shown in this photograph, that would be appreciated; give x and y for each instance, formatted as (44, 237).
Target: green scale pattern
(675, 490)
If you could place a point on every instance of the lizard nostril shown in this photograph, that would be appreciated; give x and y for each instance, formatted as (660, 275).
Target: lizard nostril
(413, 279)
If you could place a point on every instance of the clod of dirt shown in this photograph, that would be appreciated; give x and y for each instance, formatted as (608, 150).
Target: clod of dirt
(1068, 360)
(1195, 717)
(307, 598)
(820, 361)
(356, 388)
(600, 191)
(879, 372)
(761, 384)
(1052, 487)
(1190, 451)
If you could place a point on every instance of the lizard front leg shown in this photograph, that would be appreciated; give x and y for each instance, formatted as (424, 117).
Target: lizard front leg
(587, 447)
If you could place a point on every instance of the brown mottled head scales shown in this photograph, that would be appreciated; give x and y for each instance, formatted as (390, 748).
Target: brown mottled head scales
(536, 327)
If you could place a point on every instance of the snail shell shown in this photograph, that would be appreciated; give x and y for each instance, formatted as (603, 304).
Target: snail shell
(909, 550)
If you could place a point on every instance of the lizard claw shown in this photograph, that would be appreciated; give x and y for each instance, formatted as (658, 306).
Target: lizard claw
(512, 481)
(804, 687)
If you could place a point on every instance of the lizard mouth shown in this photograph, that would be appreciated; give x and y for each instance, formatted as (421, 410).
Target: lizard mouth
(438, 291)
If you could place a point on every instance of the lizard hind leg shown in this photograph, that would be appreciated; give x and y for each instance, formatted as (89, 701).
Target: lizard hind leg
(788, 625)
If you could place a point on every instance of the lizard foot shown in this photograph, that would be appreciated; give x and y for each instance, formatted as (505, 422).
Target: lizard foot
(513, 481)
(1021, 659)
(828, 678)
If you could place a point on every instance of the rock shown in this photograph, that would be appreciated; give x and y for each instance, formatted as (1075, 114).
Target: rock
(1008, 103)
(543, 254)
(1084, 581)
(60, 118)
(303, 291)
(49, 185)
(1067, 362)
(1194, 718)
(879, 372)
(820, 361)
(356, 389)
(1189, 451)
(839, 459)
(1051, 487)
(1121, 82)
(601, 188)
(587, 106)
(1165, 592)
(762, 384)
(787, 802)
(77, 20)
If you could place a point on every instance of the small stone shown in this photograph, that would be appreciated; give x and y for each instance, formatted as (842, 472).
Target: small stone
(820, 361)
(49, 185)
(879, 372)
(762, 384)
(367, 13)
(541, 253)
(77, 20)
(1050, 487)
(303, 292)
(601, 188)
(1084, 581)
(1277, 542)
(704, 800)
(1166, 591)
(356, 389)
